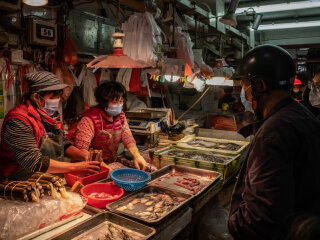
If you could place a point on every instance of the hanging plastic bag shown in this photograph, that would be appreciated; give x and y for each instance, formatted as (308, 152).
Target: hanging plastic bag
(124, 76)
(89, 83)
(106, 76)
(184, 46)
(70, 54)
(200, 65)
(142, 36)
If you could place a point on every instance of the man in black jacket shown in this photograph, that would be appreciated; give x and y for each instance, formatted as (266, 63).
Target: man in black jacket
(280, 178)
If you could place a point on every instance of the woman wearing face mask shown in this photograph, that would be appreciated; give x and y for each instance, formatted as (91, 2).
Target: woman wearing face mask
(104, 126)
(32, 138)
(311, 96)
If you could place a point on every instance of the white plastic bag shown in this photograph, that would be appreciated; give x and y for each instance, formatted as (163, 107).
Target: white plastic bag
(89, 83)
(106, 76)
(184, 44)
(124, 76)
(200, 65)
(20, 218)
(142, 36)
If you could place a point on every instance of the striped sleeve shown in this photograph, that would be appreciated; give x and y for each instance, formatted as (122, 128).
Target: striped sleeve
(20, 139)
(85, 133)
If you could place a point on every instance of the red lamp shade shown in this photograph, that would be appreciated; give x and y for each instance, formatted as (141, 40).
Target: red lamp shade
(117, 59)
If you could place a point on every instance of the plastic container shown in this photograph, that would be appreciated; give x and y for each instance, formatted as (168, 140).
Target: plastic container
(109, 188)
(72, 177)
(130, 179)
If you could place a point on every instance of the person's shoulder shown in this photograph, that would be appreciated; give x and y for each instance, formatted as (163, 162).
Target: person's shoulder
(91, 112)
(290, 121)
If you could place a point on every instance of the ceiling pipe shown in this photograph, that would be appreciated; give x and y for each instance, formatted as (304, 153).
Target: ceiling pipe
(230, 17)
(207, 6)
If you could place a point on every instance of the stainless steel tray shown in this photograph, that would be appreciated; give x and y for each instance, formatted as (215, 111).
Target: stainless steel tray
(92, 222)
(145, 114)
(206, 178)
(149, 189)
(183, 143)
(50, 227)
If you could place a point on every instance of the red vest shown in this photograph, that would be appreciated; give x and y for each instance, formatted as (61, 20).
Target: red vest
(109, 140)
(27, 114)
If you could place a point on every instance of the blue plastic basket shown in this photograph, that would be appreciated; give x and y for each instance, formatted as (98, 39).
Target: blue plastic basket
(130, 179)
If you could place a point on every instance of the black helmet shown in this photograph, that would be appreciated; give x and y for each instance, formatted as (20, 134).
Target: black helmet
(272, 63)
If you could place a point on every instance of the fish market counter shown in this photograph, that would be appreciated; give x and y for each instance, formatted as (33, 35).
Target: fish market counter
(169, 207)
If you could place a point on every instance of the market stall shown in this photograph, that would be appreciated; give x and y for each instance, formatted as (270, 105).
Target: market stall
(135, 119)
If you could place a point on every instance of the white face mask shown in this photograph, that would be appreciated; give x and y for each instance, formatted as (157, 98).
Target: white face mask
(314, 96)
(114, 109)
(52, 105)
(247, 105)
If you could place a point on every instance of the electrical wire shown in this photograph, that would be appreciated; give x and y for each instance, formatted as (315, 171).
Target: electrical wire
(195, 103)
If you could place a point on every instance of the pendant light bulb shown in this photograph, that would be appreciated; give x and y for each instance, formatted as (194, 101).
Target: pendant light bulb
(35, 3)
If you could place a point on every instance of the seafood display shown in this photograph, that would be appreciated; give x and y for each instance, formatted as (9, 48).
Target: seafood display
(191, 184)
(102, 195)
(195, 155)
(110, 231)
(184, 179)
(152, 204)
(106, 226)
(212, 144)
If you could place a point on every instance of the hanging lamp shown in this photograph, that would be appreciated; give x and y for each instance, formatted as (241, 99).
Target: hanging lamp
(118, 59)
(35, 3)
(230, 18)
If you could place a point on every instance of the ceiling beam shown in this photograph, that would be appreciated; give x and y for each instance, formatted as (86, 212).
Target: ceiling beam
(210, 19)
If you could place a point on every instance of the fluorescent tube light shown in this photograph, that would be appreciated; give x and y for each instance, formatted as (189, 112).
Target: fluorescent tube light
(289, 25)
(282, 6)
(219, 81)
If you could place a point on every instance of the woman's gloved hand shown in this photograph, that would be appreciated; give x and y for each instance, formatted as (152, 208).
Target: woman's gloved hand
(139, 162)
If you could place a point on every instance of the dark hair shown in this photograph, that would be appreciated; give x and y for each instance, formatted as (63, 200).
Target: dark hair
(108, 91)
(27, 96)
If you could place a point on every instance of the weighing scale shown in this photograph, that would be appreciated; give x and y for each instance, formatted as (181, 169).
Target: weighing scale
(146, 122)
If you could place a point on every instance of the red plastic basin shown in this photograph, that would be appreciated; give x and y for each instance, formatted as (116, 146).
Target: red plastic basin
(72, 177)
(109, 188)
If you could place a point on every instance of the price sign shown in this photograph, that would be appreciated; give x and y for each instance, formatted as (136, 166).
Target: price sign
(45, 32)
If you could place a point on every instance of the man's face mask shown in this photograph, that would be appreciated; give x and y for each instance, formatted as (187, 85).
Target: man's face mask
(247, 105)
